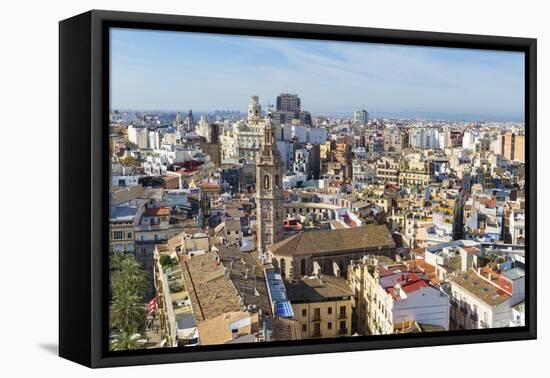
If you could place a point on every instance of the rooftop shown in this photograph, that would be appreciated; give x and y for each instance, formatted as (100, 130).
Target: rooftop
(318, 289)
(247, 277)
(345, 240)
(283, 329)
(480, 288)
(157, 212)
(211, 292)
(122, 213)
(220, 329)
(514, 274)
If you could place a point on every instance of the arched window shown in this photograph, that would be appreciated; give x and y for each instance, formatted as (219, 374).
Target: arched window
(303, 267)
(276, 181)
(283, 268)
(266, 182)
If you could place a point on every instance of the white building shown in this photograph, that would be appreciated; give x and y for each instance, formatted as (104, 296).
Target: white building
(154, 140)
(517, 226)
(485, 300)
(138, 136)
(317, 135)
(469, 139)
(204, 129)
(241, 140)
(169, 138)
(397, 297)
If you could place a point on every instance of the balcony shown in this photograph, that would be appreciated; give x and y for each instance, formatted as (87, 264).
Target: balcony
(342, 315)
(342, 331)
(316, 318)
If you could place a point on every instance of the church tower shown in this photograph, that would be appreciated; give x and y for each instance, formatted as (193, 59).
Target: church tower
(254, 110)
(269, 191)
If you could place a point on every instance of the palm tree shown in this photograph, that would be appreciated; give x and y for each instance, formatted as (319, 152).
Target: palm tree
(130, 278)
(126, 313)
(126, 341)
(116, 260)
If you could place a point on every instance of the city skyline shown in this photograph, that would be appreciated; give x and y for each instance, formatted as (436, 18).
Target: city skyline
(180, 70)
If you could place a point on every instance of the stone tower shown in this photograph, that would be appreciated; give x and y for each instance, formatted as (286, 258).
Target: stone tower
(254, 110)
(269, 191)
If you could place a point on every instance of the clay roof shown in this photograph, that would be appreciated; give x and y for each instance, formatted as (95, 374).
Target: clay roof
(318, 289)
(157, 212)
(210, 291)
(480, 288)
(283, 329)
(216, 330)
(335, 241)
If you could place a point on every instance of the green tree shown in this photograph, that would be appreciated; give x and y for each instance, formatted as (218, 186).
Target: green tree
(166, 261)
(129, 277)
(127, 313)
(126, 341)
(129, 283)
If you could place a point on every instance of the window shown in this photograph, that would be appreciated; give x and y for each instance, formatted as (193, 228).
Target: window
(303, 267)
(329, 325)
(342, 311)
(304, 312)
(342, 326)
(118, 235)
(329, 310)
(129, 236)
(316, 329)
(317, 314)
(304, 328)
(266, 182)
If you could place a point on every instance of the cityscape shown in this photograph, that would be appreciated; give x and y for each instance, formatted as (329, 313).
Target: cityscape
(280, 222)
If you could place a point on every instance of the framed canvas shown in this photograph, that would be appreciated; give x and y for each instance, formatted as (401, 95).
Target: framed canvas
(236, 188)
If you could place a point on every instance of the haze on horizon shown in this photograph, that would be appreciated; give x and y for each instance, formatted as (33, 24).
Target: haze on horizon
(164, 70)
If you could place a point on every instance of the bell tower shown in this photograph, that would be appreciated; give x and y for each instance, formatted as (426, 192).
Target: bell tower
(254, 110)
(269, 191)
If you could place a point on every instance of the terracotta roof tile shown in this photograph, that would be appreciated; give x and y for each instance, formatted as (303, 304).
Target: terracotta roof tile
(369, 238)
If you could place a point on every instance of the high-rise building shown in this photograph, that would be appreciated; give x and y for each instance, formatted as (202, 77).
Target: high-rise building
(508, 145)
(289, 110)
(519, 148)
(269, 191)
(288, 102)
(361, 117)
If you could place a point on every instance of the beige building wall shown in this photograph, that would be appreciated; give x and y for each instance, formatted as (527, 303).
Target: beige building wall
(519, 148)
(324, 319)
(121, 237)
(508, 146)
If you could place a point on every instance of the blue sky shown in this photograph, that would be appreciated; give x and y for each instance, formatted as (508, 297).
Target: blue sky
(179, 70)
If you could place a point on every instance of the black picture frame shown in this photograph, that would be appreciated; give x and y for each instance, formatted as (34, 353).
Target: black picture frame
(83, 202)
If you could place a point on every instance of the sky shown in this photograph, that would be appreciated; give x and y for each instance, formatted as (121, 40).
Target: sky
(164, 70)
